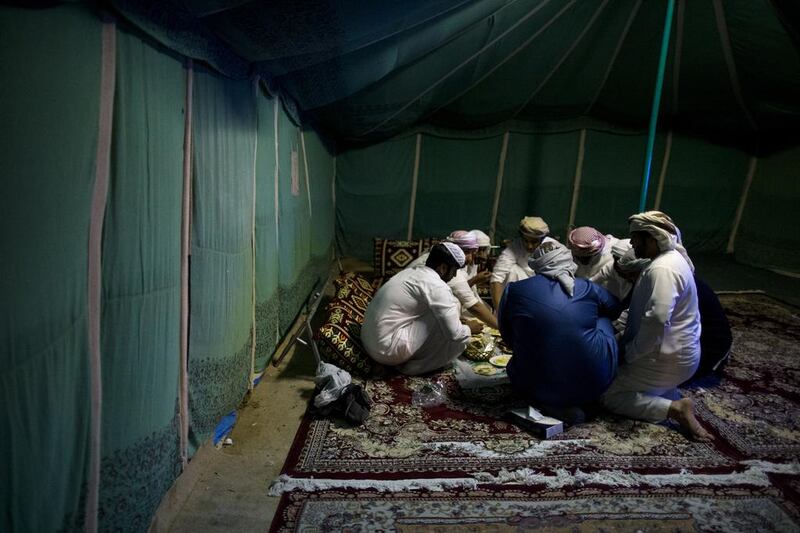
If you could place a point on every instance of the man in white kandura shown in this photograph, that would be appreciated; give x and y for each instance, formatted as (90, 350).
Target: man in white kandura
(471, 304)
(477, 278)
(661, 343)
(412, 322)
(512, 264)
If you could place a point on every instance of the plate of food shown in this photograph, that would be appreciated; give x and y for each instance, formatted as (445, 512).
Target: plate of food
(485, 369)
(500, 361)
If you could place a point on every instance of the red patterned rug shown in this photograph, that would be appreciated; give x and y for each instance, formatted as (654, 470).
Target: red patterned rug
(497, 509)
(752, 411)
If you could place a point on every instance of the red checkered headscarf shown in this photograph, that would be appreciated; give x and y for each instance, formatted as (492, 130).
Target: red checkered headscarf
(586, 241)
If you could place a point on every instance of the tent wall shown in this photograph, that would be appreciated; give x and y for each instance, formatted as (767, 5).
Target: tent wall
(221, 262)
(569, 175)
(141, 286)
(47, 150)
(768, 235)
(49, 157)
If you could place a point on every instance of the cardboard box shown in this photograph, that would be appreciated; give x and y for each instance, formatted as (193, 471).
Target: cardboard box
(534, 422)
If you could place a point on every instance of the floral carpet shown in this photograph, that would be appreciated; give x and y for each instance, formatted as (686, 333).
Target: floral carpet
(610, 473)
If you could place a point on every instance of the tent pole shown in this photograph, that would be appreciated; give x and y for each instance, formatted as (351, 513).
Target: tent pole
(651, 136)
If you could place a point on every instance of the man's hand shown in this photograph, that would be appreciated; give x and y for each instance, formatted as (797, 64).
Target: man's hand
(481, 278)
(475, 326)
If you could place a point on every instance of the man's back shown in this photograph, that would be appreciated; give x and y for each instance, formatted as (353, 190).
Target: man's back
(410, 295)
(563, 352)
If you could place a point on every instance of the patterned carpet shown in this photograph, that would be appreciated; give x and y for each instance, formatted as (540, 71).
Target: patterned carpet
(608, 474)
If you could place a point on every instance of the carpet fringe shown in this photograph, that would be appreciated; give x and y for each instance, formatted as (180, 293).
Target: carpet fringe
(535, 450)
(755, 475)
(774, 468)
(286, 483)
(745, 291)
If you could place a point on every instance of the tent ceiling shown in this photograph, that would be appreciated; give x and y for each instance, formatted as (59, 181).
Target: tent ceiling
(364, 71)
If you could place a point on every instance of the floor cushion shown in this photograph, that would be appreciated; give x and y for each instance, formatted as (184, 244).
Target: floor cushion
(391, 256)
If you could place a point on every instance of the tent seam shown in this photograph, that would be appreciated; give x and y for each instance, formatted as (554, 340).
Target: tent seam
(95, 268)
(727, 52)
(622, 37)
(563, 58)
(474, 56)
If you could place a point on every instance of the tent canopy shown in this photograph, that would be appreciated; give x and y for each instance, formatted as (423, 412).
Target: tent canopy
(362, 72)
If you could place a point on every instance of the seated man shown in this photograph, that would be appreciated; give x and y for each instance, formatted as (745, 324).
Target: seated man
(412, 321)
(471, 304)
(478, 277)
(591, 250)
(715, 331)
(512, 264)
(559, 328)
(661, 344)
(618, 277)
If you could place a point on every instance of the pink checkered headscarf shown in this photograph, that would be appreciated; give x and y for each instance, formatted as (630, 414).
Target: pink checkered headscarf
(466, 240)
(586, 241)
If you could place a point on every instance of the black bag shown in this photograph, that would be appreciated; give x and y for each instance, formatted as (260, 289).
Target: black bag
(353, 405)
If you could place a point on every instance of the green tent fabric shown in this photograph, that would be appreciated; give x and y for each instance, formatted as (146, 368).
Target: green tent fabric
(266, 234)
(321, 169)
(50, 67)
(456, 185)
(361, 74)
(366, 75)
(419, 99)
(294, 241)
(768, 235)
(49, 102)
(697, 173)
(373, 195)
(291, 260)
(224, 115)
(301, 267)
(537, 178)
(141, 287)
(610, 184)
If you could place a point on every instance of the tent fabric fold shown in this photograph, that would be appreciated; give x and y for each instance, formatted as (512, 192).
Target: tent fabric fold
(364, 74)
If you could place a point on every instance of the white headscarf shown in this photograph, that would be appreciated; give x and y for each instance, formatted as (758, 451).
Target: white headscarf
(661, 227)
(629, 263)
(456, 252)
(554, 260)
(619, 248)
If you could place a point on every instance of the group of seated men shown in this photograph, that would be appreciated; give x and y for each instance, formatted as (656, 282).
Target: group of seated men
(599, 321)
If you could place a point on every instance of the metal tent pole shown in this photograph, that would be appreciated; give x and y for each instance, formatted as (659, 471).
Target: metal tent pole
(651, 136)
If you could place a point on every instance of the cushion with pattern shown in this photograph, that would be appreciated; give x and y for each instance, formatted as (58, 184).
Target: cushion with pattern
(356, 283)
(352, 293)
(339, 342)
(391, 256)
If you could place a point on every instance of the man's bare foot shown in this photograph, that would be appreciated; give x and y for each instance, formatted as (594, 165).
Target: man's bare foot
(682, 411)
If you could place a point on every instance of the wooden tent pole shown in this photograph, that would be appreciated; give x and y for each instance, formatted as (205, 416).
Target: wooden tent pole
(651, 136)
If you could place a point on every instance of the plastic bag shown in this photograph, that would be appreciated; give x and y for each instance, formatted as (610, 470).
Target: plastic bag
(429, 394)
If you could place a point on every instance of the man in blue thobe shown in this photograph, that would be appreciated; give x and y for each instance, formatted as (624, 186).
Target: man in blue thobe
(559, 328)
